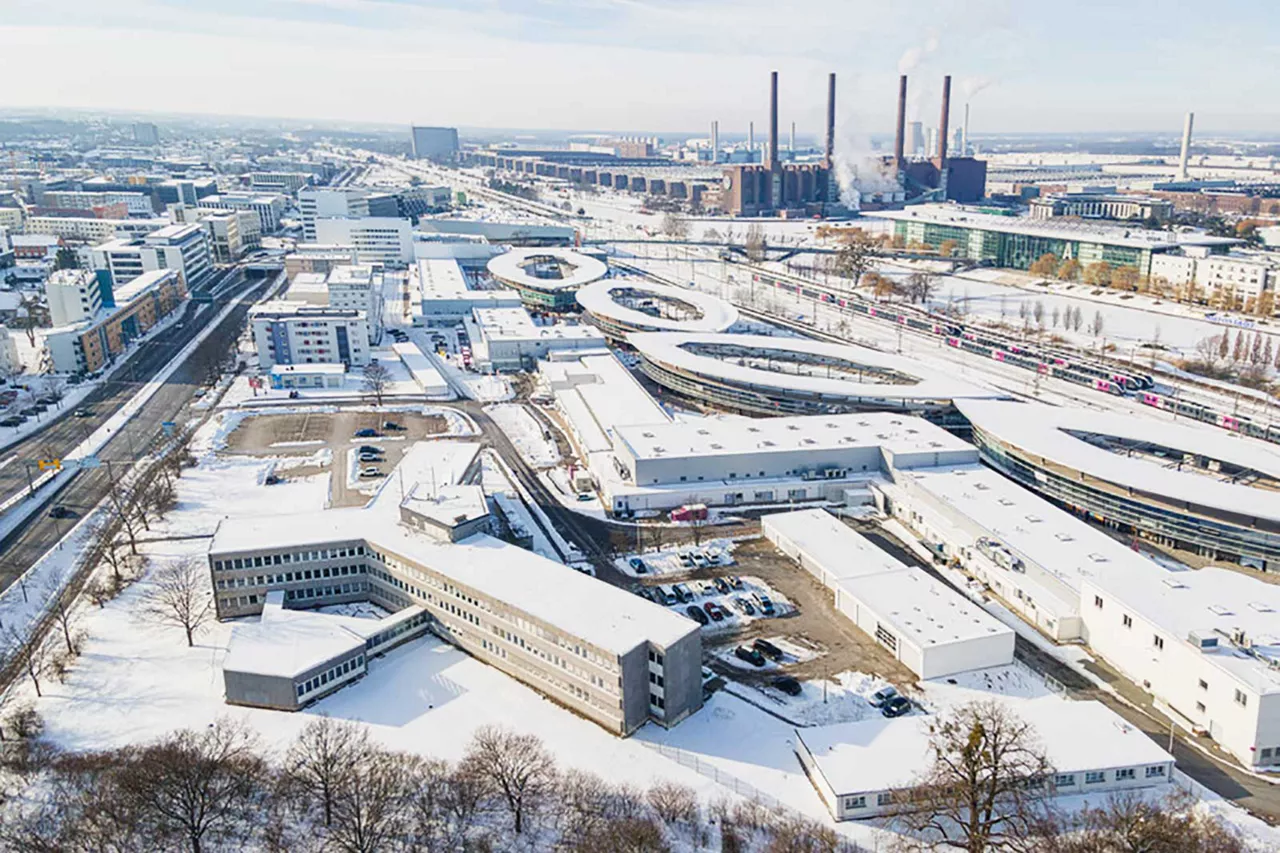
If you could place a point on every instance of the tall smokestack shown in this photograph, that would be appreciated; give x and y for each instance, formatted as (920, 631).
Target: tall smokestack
(830, 151)
(1186, 146)
(751, 136)
(715, 141)
(900, 139)
(793, 137)
(773, 121)
(942, 122)
(964, 132)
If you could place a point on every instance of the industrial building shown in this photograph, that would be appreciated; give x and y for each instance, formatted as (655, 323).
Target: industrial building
(1194, 488)
(1016, 242)
(768, 375)
(866, 768)
(930, 628)
(605, 654)
(508, 339)
(547, 279)
(619, 307)
(1097, 205)
(446, 295)
(936, 176)
(92, 341)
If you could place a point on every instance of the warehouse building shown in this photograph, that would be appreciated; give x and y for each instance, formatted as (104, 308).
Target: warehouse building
(866, 768)
(509, 339)
(933, 630)
(446, 295)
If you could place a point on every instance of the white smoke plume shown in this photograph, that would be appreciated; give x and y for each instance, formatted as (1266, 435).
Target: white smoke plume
(911, 56)
(973, 85)
(859, 168)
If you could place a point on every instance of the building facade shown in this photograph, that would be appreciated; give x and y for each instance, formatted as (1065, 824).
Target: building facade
(91, 344)
(184, 248)
(375, 240)
(74, 296)
(268, 207)
(288, 332)
(434, 143)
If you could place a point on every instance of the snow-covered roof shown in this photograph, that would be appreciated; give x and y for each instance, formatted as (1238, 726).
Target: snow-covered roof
(881, 754)
(1042, 431)
(827, 542)
(440, 278)
(710, 313)
(308, 369)
(515, 324)
(679, 350)
(892, 433)
(447, 506)
(922, 608)
(577, 269)
(126, 293)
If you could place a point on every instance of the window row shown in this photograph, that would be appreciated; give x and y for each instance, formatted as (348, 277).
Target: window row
(332, 674)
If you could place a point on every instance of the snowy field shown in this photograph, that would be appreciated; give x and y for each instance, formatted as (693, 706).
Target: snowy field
(526, 434)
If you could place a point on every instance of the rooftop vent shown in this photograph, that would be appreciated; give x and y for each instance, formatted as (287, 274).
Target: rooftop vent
(1034, 519)
(1174, 583)
(1005, 502)
(1097, 558)
(1220, 609)
(715, 446)
(982, 487)
(1261, 607)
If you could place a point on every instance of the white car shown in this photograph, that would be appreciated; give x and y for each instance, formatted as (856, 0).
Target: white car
(370, 472)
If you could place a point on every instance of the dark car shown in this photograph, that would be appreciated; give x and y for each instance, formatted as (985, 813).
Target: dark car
(788, 685)
(751, 656)
(61, 511)
(722, 585)
(696, 614)
(767, 649)
(746, 607)
(735, 581)
(84, 413)
(713, 611)
(896, 707)
(369, 448)
(12, 421)
(367, 432)
(393, 426)
(637, 565)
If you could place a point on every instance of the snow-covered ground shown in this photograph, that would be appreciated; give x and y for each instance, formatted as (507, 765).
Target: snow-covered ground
(842, 698)
(667, 560)
(525, 433)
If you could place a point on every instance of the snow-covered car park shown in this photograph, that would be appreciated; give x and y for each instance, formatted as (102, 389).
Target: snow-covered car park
(715, 553)
(721, 604)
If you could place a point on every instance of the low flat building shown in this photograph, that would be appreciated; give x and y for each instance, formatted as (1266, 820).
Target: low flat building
(425, 374)
(288, 377)
(1100, 205)
(866, 768)
(510, 339)
(447, 296)
(933, 630)
(446, 513)
(547, 279)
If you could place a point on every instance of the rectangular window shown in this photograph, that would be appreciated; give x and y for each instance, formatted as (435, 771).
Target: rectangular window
(884, 798)
(1065, 780)
(1093, 777)
(1158, 641)
(1204, 685)
(1200, 707)
(855, 803)
(1127, 620)
(1097, 601)
(1241, 699)
(1155, 771)
(1124, 774)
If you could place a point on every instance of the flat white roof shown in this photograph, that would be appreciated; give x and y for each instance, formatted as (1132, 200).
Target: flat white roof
(331, 369)
(512, 324)
(923, 608)
(826, 540)
(578, 269)
(1039, 430)
(726, 436)
(880, 754)
(599, 394)
(448, 506)
(679, 350)
(352, 274)
(710, 313)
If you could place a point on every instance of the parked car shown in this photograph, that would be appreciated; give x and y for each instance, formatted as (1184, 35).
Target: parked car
(586, 496)
(686, 560)
(12, 421)
(31, 410)
(768, 649)
(883, 695)
(371, 448)
(637, 565)
(744, 607)
(682, 592)
(763, 602)
(722, 586)
(735, 581)
(367, 432)
(60, 511)
(751, 656)
(896, 707)
(371, 457)
(705, 588)
(713, 611)
(788, 685)
(699, 560)
(293, 395)
(666, 595)
(84, 413)
(393, 426)
(370, 472)
(641, 591)
(696, 614)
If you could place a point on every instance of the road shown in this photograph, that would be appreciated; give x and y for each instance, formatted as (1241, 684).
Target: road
(87, 488)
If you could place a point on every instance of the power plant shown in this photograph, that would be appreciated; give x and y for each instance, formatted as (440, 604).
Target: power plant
(935, 176)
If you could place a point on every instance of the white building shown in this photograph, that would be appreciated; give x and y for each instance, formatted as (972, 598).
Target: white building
(446, 296)
(93, 230)
(289, 332)
(1234, 280)
(358, 286)
(375, 239)
(424, 373)
(316, 203)
(863, 769)
(279, 182)
(10, 360)
(933, 630)
(177, 247)
(509, 339)
(74, 296)
(268, 207)
(137, 204)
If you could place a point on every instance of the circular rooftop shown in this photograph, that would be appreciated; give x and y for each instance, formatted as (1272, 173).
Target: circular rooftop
(799, 368)
(548, 269)
(621, 305)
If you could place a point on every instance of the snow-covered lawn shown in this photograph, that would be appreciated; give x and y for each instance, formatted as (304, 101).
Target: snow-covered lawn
(846, 698)
(526, 434)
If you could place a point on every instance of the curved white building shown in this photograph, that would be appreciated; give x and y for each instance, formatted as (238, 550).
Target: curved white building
(620, 306)
(547, 279)
(762, 374)
(1198, 489)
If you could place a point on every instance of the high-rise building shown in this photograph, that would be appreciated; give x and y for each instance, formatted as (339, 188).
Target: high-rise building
(146, 133)
(177, 247)
(74, 296)
(434, 143)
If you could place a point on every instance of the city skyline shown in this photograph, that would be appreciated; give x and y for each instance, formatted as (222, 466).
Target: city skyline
(616, 64)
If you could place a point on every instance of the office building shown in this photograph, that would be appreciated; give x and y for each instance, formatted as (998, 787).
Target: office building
(91, 229)
(1096, 205)
(136, 203)
(91, 343)
(312, 257)
(269, 207)
(1233, 281)
(434, 143)
(316, 203)
(547, 279)
(146, 133)
(621, 306)
(509, 339)
(75, 295)
(287, 183)
(294, 332)
(184, 248)
(446, 294)
(375, 240)
(179, 191)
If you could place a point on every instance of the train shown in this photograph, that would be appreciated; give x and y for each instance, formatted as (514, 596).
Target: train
(1045, 361)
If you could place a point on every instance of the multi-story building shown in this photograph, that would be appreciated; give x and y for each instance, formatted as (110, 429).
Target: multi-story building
(92, 343)
(312, 257)
(179, 247)
(380, 239)
(231, 232)
(295, 332)
(607, 655)
(329, 202)
(1235, 280)
(509, 339)
(434, 143)
(182, 191)
(280, 182)
(358, 286)
(268, 206)
(1092, 205)
(10, 360)
(35, 247)
(146, 133)
(136, 203)
(91, 229)
(75, 296)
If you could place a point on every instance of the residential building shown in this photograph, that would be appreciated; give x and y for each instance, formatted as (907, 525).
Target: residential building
(91, 229)
(434, 143)
(75, 295)
(180, 247)
(268, 206)
(136, 203)
(383, 240)
(290, 332)
(12, 218)
(358, 286)
(92, 343)
(10, 360)
(35, 247)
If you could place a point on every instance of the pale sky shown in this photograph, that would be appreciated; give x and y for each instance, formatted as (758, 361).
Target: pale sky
(655, 65)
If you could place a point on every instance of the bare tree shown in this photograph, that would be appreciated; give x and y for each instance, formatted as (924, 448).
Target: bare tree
(516, 766)
(31, 315)
(60, 608)
(985, 786)
(675, 226)
(123, 501)
(855, 257)
(376, 379)
(920, 286)
(32, 654)
(372, 806)
(755, 243)
(674, 803)
(1055, 315)
(180, 597)
(1128, 822)
(322, 758)
(197, 789)
(1037, 312)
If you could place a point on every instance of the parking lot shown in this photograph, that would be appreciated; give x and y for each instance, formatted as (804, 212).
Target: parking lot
(302, 434)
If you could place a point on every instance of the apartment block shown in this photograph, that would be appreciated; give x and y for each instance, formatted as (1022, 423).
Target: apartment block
(177, 247)
(294, 332)
(74, 296)
(268, 206)
(93, 342)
